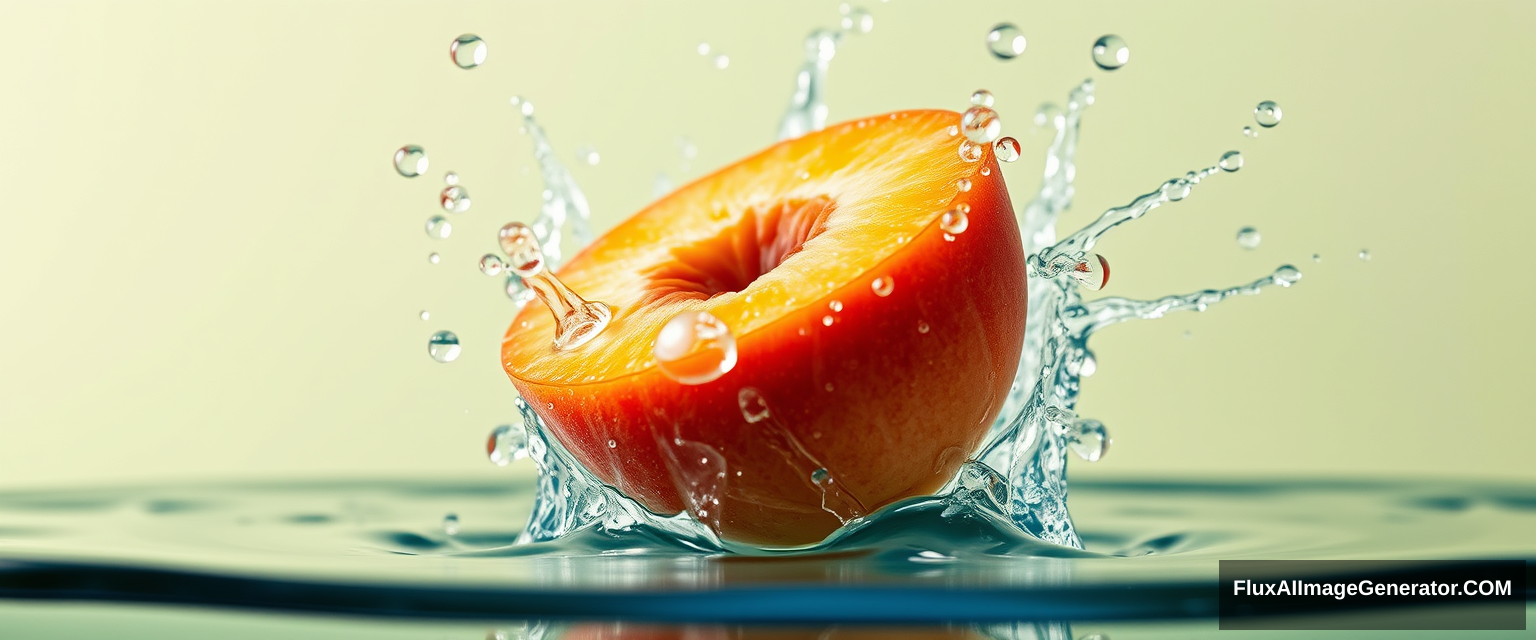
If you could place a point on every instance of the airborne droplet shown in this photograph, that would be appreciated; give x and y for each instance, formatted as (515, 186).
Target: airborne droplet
(455, 199)
(982, 98)
(451, 524)
(443, 346)
(1231, 161)
(1110, 52)
(492, 264)
(1248, 238)
(1006, 149)
(1005, 41)
(467, 51)
(1088, 439)
(411, 161)
(1267, 114)
(1092, 272)
(438, 227)
(695, 347)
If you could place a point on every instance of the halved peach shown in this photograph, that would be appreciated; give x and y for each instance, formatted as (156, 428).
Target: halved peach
(874, 283)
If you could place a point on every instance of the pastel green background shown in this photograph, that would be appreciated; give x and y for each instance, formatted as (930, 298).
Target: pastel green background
(209, 269)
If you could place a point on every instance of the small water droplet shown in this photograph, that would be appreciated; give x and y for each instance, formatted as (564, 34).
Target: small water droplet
(411, 161)
(505, 444)
(986, 171)
(434, 258)
(826, 321)
(1364, 254)
(963, 184)
(1267, 114)
(1006, 41)
(450, 178)
(1231, 161)
(492, 264)
(426, 315)
(523, 106)
(981, 124)
(883, 286)
(1092, 272)
(722, 61)
(857, 20)
(588, 156)
(1088, 439)
(1250, 132)
(970, 151)
(982, 98)
(1317, 257)
(954, 221)
(1248, 238)
(613, 444)
(467, 51)
(836, 306)
(821, 478)
(1006, 149)
(455, 199)
(1287, 275)
(438, 227)
(754, 408)
(922, 327)
(703, 48)
(443, 346)
(1110, 52)
(451, 524)
(695, 347)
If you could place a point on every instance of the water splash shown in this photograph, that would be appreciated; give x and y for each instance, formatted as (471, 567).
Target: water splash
(807, 110)
(564, 205)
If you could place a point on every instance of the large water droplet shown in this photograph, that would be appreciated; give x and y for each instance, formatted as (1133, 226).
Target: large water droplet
(970, 151)
(439, 227)
(1088, 439)
(1248, 238)
(883, 286)
(1231, 161)
(695, 347)
(1006, 149)
(1110, 52)
(455, 199)
(467, 51)
(1287, 275)
(754, 408)
(982, 98)
(954, 222)
(506, 443)
(451, 524)
(1005, 41)
(411, 160)
(443, 346)
(981, 124)
(1267, 114)
(1092, 272)
(492, 264)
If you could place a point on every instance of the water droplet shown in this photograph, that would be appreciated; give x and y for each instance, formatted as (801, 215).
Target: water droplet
(613, 444)
(754, 408)
(986, 171)
(1088, 439)
(703, 48)
(836, 306)
(1250, 132)
(1110, 52)
(963, 184)
(1005, 41)
(492, 264)
(1176, 190)
(1092, 272)
(722, 61)
(1364, 254)
(411, 160)
(826, 321)
(467, 51)
(821, 478)
(922, 327)
(982, 98)
(1287, 275)
(981, 124)
(695, 347)
(438, 227)
(443, 346)
(523, 106)
(455, 199)
(1007, 149)
(970, 151)
(450, 178)
(426, 315)
(1317, 257)
(954, 221)
(434, 258)
(1248, 238)
(1231, 161)
(883, 286)
(857, 20)
(1267, 114)
(588, 156)
(506, 443)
